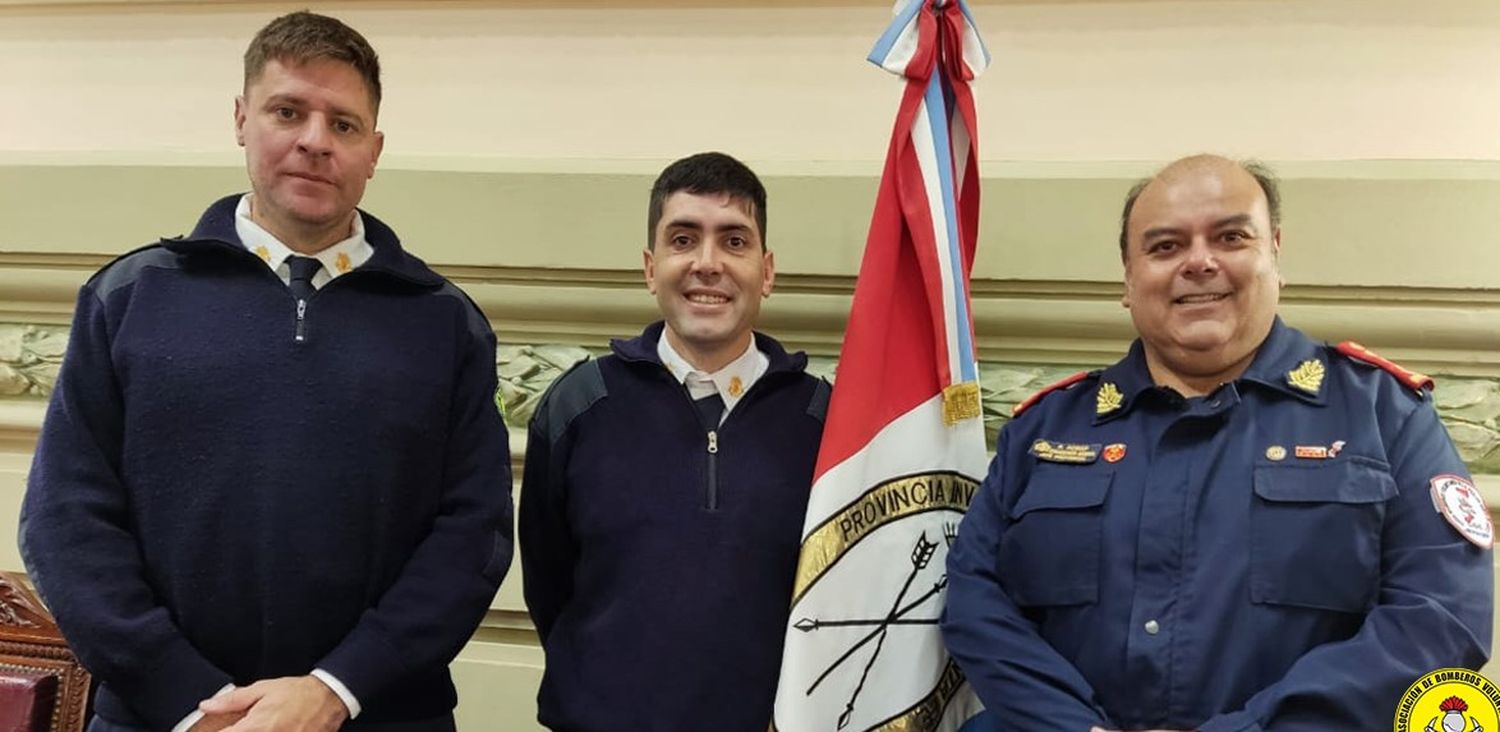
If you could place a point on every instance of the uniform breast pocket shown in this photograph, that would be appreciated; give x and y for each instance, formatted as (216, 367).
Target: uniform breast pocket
(1315, 534)
(1049, 554)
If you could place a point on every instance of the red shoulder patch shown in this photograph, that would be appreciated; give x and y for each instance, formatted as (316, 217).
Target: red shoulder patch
(1412, 379)
(1034, 398)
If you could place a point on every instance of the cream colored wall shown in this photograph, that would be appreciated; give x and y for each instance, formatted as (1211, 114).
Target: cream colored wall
(551, 84)
(1080, 91)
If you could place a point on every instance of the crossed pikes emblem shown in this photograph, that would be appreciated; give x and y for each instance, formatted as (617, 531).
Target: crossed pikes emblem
(900, 608)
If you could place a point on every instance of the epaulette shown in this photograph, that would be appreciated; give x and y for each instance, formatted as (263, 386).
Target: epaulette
(570, 395)
(1413, 380)
(1061, 384)
(124, 268)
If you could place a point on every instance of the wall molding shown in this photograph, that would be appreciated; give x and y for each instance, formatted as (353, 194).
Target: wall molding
(1436, 330)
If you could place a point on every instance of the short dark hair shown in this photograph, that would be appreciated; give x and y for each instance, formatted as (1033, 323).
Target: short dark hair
(703, 173)
(1262, 174)
(304, 36)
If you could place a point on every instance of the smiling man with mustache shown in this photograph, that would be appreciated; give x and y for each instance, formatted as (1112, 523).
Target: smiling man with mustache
(665, 484)
(1233, 528)
(1202, 276)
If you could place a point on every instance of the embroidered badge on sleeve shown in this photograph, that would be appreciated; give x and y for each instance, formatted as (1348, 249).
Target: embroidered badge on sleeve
(1460, 503)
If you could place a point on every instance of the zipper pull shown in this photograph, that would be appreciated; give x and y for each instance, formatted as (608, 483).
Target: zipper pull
(301, 320)
(713, 442)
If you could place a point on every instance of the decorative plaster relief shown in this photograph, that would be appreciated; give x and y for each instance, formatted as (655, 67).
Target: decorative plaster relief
(29, 358)
(1470, 407)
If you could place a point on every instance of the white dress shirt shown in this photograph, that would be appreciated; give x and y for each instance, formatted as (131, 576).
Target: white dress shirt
(340, 258)
(730, 383)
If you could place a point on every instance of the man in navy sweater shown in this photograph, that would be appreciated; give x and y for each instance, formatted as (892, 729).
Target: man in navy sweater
(665, 485)
(272, 488)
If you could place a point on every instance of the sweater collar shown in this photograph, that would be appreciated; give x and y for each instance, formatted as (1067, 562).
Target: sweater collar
(339, 258)
(215, 232)
(642, 349)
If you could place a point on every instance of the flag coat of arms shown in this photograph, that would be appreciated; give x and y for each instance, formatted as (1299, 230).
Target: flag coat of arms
(903, 447)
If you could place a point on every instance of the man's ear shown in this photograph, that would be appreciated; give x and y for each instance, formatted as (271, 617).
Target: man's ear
(768, 275)
(648, 263)
(375, 156)
(1276, 255)
(239, 119)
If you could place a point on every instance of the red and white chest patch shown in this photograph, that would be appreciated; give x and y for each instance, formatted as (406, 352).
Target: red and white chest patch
(1460, 503)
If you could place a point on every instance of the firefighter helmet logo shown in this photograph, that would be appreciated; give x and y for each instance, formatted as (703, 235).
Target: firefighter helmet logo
(1453, 709)
(1449, 700)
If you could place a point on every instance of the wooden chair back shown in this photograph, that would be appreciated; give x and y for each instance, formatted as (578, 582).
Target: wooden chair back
(42, 686)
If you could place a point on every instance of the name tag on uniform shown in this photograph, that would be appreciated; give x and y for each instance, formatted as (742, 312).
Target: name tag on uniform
(1074, 453)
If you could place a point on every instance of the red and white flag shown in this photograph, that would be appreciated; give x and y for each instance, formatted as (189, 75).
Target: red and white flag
(903, 448)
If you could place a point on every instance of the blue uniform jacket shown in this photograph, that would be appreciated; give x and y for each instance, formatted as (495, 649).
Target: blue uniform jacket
(1213, 576)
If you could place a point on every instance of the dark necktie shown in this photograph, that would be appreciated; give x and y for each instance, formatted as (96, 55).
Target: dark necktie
(710, 409)
(303, 269)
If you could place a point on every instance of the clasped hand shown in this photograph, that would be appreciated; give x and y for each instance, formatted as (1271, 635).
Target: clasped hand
(288, 704)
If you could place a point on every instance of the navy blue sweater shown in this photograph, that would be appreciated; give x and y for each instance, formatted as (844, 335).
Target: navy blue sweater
(658, 574)
(212, 501)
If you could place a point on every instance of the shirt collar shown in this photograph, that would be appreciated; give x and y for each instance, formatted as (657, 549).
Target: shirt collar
(1291, 363)
(1120, 386)
(1286, 361)
(339, 258)
(730, 382)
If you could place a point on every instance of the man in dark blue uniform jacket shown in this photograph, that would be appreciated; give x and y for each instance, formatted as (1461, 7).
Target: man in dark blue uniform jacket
(1233, 528)
(665, 485)
(272, 487)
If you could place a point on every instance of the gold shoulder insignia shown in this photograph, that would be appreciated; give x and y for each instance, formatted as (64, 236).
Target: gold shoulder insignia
(1308, 376)
(1109, 398)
